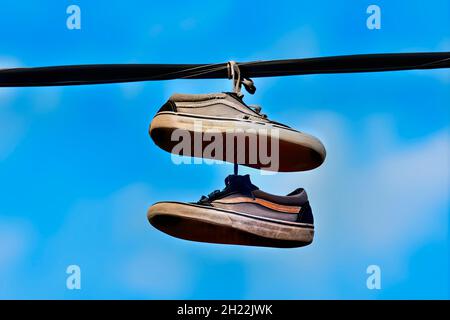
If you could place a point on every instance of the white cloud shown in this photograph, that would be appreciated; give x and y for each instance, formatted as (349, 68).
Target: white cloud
(156, 273)
(12, 130)
(15, 240)
(298, 43)
(389, 198)
(145, 265)
(46, 99)
(188, 24)
(14, 124)
(379, 210)
(156, 30)
(132, 90)
(400, 195)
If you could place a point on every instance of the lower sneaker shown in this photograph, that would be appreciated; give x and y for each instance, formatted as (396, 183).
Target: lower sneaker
(240, 214)
(220, 126)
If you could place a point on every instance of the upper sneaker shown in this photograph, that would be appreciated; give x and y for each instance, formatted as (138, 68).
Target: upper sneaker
(222, 127)
(241, 213)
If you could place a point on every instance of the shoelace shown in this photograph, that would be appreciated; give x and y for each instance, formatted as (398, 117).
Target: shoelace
(258, 109)
(235, 74)
(210, 197)
(230, 187)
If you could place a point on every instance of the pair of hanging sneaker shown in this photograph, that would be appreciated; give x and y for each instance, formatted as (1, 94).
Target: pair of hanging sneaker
(221, 127)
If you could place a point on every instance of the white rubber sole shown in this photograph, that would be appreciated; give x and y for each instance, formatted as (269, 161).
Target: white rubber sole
(297, 151)
(213, 225)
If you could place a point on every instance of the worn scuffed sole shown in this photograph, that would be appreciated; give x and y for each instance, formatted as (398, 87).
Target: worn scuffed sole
(297, 151)
(207, 224)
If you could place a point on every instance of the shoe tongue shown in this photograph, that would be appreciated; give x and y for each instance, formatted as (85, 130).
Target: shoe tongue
(240, 183)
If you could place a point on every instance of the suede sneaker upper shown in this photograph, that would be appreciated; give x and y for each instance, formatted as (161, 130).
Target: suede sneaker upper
(241, 195)
(226, 105)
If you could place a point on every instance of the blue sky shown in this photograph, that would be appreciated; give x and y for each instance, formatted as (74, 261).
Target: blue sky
(78, 170)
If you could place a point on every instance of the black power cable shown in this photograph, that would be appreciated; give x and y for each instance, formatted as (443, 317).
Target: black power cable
(114, 73)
